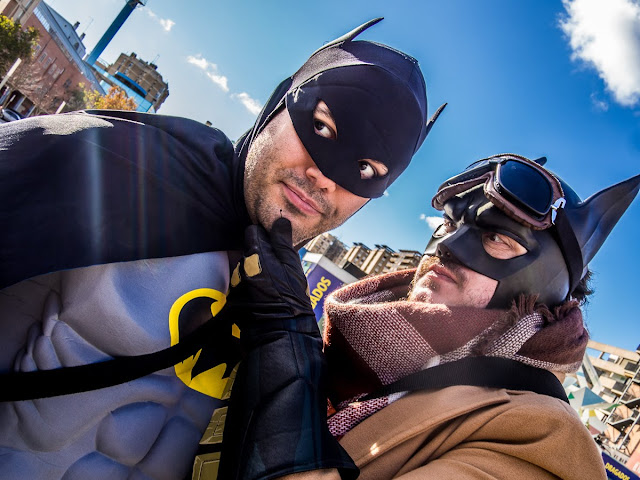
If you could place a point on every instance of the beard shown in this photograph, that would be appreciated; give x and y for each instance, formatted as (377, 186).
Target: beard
(264, 171)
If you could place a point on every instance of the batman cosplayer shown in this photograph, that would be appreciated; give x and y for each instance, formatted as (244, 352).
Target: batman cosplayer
(517, 240)
(119, 229)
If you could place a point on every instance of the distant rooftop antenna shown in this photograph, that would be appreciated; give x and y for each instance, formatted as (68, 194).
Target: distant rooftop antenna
(128, 8)
(155, 59)
(87, 27)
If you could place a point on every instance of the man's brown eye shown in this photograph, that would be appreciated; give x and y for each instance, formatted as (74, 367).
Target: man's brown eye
(323, 129)
(445, 228)
(501, 247)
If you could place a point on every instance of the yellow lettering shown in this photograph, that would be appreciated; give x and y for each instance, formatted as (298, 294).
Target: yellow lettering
(616, 472)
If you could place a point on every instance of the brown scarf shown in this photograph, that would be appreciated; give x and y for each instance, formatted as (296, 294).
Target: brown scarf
(374, 336)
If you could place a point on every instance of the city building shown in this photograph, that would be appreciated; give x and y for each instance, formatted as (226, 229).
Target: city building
(382, 259)
(138, 78)
(329, 246)
(617, 381)
(18, 10)
(402, 260)
(51, 79)
(377, 260)
(356, 255)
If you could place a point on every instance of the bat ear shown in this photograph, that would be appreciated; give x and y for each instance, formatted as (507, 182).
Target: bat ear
(593, 219)
(347, 37)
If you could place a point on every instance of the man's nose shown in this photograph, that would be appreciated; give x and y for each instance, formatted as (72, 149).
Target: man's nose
(442, 251)
(320, 181)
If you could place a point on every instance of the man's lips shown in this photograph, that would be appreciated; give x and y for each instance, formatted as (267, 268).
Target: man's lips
(443, 273)
(301, 201)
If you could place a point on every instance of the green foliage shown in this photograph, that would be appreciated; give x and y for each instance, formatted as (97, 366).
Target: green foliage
(77, 99)
(15, 42)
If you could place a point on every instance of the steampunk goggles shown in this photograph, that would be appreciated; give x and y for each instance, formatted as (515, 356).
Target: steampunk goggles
(520, 187)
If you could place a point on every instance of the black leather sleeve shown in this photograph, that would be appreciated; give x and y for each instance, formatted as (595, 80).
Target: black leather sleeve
(277, 418)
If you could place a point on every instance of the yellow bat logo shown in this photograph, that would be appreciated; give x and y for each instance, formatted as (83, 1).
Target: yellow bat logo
(222, 355)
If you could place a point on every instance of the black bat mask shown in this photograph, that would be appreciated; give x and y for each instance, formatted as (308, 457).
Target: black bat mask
(377, 97)
(546, 268)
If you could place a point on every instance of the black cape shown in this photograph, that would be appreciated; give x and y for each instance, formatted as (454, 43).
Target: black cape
(98, 187)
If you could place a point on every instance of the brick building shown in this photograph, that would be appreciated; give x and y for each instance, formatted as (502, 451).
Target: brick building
(49, 81)
(18, 10)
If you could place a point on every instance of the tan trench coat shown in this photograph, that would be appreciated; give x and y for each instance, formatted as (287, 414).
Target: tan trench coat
(466, 432)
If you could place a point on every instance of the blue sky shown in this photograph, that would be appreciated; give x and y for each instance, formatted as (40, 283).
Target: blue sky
(554, 78)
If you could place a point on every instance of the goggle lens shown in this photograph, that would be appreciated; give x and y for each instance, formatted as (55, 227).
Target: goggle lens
(525, 185)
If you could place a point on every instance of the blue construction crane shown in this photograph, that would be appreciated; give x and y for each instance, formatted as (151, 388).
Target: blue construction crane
(113, 29)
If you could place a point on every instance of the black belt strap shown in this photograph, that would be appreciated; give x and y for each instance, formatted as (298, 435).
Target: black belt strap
(491, 372)
(570, 249)
(66, 380)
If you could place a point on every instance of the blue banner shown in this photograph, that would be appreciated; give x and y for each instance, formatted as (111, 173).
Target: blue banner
(617, 471)
(321, 284)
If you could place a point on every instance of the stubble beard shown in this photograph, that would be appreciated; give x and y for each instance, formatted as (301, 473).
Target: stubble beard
(262, 171)
(433, 285)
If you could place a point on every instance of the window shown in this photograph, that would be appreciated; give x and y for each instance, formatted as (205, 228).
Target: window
(43, 57)
(57, 72)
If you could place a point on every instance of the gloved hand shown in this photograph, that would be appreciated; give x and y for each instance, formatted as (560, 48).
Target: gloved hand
(269, 283)
(276, 423)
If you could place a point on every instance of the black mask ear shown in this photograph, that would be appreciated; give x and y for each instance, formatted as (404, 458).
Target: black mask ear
(347, 37)
(593, 219)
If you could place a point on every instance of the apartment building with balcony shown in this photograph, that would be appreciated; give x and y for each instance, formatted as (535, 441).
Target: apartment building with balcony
(618, 382)
(402, 260)
(329, 246)
(356, 255)
(377, 260)
(138, 78)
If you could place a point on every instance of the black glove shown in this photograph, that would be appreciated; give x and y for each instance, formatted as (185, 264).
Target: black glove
(277, 423)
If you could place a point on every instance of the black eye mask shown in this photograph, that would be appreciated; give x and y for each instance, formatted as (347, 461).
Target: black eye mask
(580, 226)
(377, 98)
(541, 270)
(376, 118)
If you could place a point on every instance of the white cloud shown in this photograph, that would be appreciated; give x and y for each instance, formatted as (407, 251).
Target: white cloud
(166, 23)
(250, 104)
(211, 69)
(385, 193)
(606, 36)
(219, 80)
(199, 62)
(433, 222)
(598, 104)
